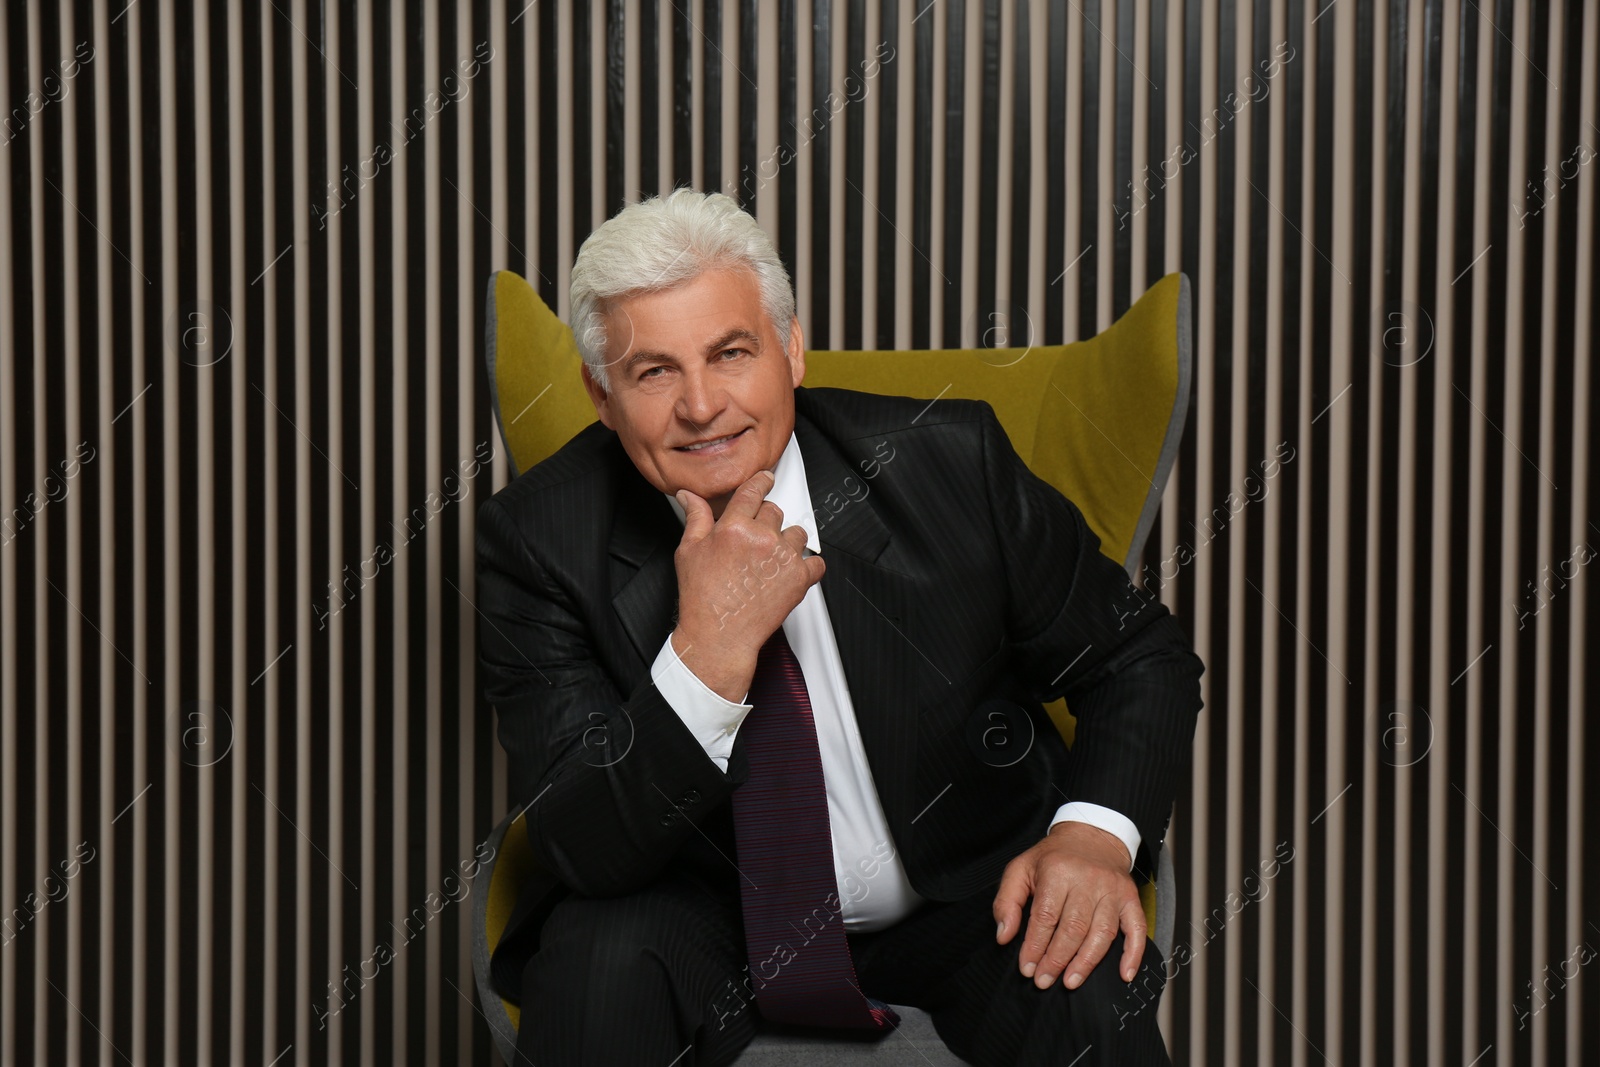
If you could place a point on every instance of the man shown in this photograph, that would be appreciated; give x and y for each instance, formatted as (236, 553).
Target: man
(727, 555)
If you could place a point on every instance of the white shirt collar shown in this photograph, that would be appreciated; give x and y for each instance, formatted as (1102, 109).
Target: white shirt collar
(789, 491)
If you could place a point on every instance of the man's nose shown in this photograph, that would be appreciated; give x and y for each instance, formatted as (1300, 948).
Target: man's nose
(701, 398)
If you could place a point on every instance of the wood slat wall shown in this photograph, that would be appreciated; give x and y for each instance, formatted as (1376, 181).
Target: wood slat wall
(245, 430)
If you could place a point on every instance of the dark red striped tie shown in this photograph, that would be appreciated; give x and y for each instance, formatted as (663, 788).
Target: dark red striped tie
(800, 962)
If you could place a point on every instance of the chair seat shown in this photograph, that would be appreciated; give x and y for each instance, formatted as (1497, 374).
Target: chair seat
(914, 1043)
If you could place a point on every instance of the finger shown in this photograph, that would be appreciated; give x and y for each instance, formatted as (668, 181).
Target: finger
(770, 515)
(795, 538)
(1133, 926)
(1061, 940)
(748, 498)
(1050, 909)
(1008, 902)
(697, 521)
(1102, 932)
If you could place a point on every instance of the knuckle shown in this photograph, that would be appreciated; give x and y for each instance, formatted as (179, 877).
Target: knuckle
(1075, 928)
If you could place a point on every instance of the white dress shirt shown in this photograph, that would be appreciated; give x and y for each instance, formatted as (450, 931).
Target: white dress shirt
(874, 891)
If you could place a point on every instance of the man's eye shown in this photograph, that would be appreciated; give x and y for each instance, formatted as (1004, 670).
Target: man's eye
(649, 372)
(730, 351)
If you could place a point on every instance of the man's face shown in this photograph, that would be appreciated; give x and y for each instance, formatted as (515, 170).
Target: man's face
(696, 363)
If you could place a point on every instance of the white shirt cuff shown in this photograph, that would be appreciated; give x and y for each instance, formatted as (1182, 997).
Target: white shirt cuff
(1105, 818)
(713, 719)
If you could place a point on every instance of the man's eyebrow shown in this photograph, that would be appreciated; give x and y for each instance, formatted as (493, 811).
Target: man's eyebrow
(642, 356)
(738, 333)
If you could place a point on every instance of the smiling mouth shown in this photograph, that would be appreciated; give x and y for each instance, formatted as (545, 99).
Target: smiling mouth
(714, 445)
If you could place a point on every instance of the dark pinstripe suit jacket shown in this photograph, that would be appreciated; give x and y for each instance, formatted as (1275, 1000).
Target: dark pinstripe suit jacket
(964, 593)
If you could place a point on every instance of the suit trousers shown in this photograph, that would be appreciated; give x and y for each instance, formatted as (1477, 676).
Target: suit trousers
(659, 978)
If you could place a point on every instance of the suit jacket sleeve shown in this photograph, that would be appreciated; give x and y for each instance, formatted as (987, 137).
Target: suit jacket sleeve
(1081, 629)
(617, 781)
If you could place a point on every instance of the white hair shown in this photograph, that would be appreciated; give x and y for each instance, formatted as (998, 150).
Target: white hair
(664, 242)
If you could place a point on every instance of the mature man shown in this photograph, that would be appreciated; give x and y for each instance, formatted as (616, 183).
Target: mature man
(769, 664)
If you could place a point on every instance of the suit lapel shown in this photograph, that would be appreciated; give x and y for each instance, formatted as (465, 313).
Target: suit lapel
(644, 535)
(869, 592)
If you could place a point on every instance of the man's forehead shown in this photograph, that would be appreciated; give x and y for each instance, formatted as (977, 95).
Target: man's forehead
(703, 311)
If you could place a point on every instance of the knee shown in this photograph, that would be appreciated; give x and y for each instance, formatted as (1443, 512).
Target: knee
(1107, 1003)
(595, 944)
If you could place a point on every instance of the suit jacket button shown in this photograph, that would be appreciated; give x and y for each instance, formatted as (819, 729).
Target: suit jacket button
(690, 796)
(669, 818)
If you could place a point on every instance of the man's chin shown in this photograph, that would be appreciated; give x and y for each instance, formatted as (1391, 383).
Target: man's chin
(722, 483)
(715, 495)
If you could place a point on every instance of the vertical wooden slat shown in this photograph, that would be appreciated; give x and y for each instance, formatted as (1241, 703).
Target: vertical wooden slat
(1301, 936)
(365, 851)
(1236, 134)
(1579, 801)
(325, 764)
(1477, 1032)
(565, 116)
(10, 709)
(1374, 629)
(402, 445)
(938, 212)
(1036, 37)
(909, 308)
(1538, 850)
(1503, 812)
(205, 565)
(469, 293)
(301, 814)
(997, 313)
(72, 708)
(171, 1039)
(268, 403)
(806, 126)
(1438, 728)
(10, 592)
(240, 917)
(434, 236)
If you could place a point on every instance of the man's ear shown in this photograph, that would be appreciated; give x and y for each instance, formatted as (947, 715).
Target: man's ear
(597, 396)
(797, 352)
